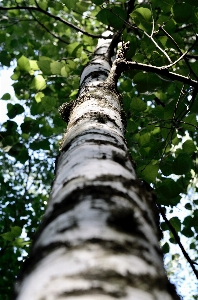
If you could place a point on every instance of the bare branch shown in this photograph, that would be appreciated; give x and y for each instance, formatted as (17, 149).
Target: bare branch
(183, 55)
(124, 65)
(39, 9)
(172, 229)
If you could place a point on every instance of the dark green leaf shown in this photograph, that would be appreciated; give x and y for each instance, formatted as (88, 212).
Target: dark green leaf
(147, 83)
(6, 96)
(181, 164)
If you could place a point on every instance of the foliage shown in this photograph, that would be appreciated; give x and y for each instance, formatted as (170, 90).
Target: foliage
(50, 42)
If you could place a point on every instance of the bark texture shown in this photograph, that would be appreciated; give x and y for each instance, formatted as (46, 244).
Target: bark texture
(99, 237)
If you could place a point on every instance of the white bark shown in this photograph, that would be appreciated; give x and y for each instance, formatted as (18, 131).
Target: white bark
(99, 237)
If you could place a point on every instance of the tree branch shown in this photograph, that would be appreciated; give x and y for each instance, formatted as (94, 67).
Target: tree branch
(39, 9)
(172, 229)
(183, 55)
(45, 28)
(124, 65)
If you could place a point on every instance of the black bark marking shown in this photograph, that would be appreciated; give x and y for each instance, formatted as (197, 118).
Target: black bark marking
(119, 158)
(124, 220)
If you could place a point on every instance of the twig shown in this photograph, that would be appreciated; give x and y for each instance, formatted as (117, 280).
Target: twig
(45, 28)
(183, 55)
(39, 9)
(163, 71)
(172, 229)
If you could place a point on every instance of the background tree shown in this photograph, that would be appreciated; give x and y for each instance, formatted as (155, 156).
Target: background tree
(49, 43)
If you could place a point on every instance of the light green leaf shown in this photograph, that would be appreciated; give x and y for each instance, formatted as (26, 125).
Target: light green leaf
(11, 235)
(64, 72)
(72, 47)
(39, 96)
(23, 64)
(56, 67)
(142, 18)
(20, 243)
(38, 83)
(33, 65)
(16, 75)
(144, 12)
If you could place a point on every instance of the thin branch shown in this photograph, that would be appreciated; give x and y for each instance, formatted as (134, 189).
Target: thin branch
(45, 28)
(39, 9)
(183, 55)
(172, 229)
(124, 65)
(177, 103)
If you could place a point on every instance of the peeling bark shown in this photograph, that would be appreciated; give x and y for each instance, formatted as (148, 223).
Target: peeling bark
(99, 238)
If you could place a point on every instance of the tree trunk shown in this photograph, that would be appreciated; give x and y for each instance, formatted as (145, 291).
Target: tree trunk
(99, 236)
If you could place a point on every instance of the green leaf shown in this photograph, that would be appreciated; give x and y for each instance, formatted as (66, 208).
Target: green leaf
(37, 145)
(169, 188)
(39, 96)
(176, 223)
(15, 75)
(11, 235)
(20, 243)
(145, 139)
(166, 248)
(56, 67)
(149, 172)
(190, 122)
(147, 83)
(6, 96)
(34, 65)
(23, 64)
(14, 110)
(74, 48)
(38, 83)
(44, 65)
(188, 147)
(98, 2)
(131, 126)
(64, 72)
(48, 102)
(43, 4)
(137, 105)
(178, 12)
(142, 18)
(181, 164)
(114, 17)
(187, 232)
(70, 3)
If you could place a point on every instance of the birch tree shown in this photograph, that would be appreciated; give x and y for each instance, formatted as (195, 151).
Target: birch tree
(99, 236)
